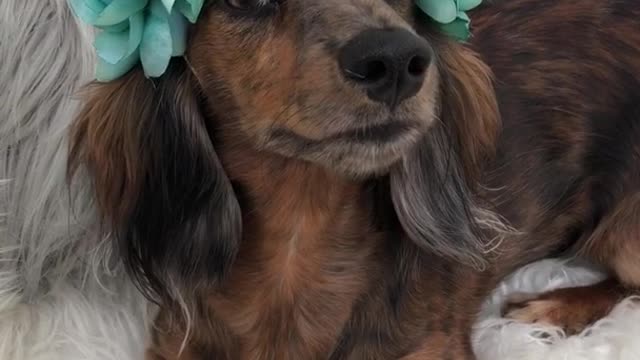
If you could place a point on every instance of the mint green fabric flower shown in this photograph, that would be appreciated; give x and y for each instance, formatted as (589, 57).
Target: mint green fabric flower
(451, 14)
(149, 32)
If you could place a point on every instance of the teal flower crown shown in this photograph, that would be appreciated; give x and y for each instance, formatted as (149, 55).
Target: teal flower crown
(151, 32)
(451, 15)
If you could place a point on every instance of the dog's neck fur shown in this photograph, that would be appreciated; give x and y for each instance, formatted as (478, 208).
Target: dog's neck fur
(317, 276)
(304, 258)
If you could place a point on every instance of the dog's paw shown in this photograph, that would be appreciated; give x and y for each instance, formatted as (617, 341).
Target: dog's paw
(548, 311)
(572, 309)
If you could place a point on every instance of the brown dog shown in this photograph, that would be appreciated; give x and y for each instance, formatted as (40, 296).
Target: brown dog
(309, 182)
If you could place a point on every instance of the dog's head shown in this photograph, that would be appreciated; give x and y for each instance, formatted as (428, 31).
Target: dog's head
(345, 84)
(362, 87)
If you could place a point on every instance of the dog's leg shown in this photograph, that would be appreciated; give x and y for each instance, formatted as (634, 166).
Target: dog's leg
(616, 245)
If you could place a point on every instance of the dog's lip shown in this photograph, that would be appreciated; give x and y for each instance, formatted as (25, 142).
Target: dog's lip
(374, 133)
(383, 133)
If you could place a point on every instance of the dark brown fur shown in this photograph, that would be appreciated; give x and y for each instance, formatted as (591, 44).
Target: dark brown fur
(233, 191)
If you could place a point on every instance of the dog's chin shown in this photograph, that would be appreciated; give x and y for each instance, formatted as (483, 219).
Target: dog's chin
(355, 169)
(354, 155)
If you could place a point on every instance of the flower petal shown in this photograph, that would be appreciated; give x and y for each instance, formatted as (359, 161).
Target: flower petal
(442, 11)
(156, 47)
(106, 72)
(178, 24)
(123, 26)
(87, 10)
(136, 28)
(466, 5)
(459, 28)
(190, 9)
(120, 10)
(112, 47)
(168, 4)
(157, 8)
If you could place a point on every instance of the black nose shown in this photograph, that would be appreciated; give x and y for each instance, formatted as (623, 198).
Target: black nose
(390, 64)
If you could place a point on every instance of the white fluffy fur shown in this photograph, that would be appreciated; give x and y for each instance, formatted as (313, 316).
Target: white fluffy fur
(64, 297)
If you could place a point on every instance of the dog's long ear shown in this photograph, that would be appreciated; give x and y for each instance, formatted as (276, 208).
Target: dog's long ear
(158, 181)
(435, 190)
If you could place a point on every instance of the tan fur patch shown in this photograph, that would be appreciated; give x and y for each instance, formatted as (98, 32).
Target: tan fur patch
(572, 309)
(616, 241)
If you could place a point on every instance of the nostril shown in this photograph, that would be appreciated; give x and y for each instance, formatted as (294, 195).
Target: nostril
(417, 66)
(376, 70)
(368, 71)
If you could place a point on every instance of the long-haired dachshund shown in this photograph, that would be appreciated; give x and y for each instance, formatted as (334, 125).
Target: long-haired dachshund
(335, 179)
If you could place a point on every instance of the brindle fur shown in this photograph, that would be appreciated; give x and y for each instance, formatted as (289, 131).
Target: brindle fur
(235, 194)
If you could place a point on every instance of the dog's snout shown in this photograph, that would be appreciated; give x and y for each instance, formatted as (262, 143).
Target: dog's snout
(390, 64)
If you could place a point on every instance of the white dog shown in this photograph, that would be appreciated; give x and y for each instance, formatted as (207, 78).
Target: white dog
(62, 293)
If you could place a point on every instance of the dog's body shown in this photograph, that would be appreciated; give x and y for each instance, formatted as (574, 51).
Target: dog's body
(567, 171)
(325, 268)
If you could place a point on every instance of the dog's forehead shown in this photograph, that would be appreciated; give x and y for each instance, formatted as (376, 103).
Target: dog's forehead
(351, 16)
(363, 7)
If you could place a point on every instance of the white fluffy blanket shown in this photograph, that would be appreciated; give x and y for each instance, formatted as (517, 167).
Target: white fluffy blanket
(61, 296)
(614, 337)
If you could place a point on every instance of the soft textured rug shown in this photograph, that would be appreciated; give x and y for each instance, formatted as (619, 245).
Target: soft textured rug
(64, 297)
(614, 337)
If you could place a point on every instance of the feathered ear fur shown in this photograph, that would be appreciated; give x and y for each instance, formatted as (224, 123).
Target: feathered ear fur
(158, 180)
(434, 190)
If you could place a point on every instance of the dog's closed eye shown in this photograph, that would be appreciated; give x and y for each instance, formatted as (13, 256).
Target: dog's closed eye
(250, 7)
